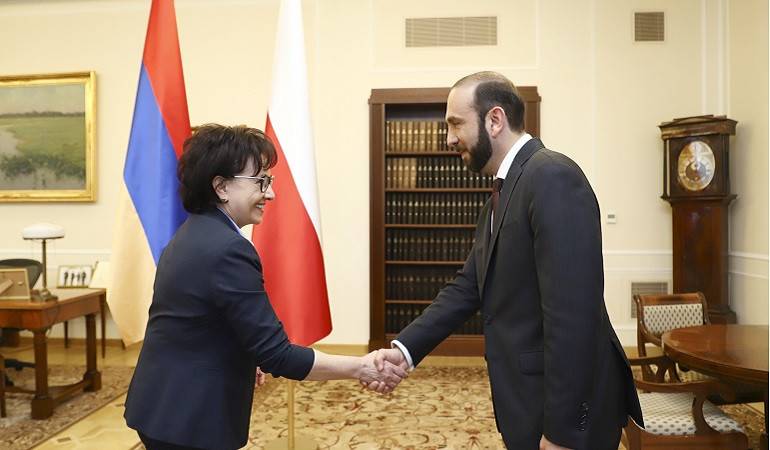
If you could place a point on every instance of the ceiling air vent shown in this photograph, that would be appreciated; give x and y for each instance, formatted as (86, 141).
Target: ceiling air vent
(451, 31)
(646, 288)
(649, 27)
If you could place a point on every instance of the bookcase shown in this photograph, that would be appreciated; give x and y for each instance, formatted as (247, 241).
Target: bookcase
(424, 207)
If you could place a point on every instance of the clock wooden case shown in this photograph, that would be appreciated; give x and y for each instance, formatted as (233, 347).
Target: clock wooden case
(696, 182)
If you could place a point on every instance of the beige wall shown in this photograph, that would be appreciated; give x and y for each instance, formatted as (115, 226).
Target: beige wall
(747, 84)
(603, 97)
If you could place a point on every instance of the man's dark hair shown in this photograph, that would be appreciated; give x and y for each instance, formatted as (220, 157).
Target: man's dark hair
(219, 150)
(493, 89)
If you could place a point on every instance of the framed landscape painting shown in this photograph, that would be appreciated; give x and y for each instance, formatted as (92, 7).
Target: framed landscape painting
(47, 138)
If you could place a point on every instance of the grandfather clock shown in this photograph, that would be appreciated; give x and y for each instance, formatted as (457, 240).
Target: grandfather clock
(696, 182)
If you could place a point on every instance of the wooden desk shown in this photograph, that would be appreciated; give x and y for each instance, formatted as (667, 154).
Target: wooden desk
(38, 317)
(103, 318)
(734, 353)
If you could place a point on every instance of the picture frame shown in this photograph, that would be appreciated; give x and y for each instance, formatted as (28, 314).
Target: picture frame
(14, 284)
(47, 137)
(74, 276)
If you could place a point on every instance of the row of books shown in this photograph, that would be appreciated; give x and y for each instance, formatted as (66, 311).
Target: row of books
(438, 172)
(411, 285)
(434, 208)
(428, 245)
(399, 315)
(415, 136)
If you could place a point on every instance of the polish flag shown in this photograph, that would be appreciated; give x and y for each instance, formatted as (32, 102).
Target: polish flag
(289, 238)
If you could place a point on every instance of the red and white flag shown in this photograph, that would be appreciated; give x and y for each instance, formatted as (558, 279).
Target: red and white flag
(289, 239)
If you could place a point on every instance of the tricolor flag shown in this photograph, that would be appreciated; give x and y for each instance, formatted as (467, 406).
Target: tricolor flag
(150, 209)
(289, 238)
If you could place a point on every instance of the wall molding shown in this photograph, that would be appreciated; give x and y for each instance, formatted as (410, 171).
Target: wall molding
(629, 252)
(639, 252)
(749, 275)
(638, 269)
(745, 255)
(57, 251)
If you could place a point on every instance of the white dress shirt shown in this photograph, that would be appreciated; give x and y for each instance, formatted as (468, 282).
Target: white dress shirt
(502, 171)
(505, 166)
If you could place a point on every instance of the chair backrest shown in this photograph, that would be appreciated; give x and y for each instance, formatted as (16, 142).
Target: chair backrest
(34, 267)
(661, 313)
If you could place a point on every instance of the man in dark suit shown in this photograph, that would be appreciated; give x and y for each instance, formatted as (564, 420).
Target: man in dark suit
(558, 373)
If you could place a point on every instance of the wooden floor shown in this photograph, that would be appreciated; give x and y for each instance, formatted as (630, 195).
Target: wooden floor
(106, 428)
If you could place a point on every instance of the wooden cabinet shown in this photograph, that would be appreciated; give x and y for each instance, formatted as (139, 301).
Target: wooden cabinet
(424, 205)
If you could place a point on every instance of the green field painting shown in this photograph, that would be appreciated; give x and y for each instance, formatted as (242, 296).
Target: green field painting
(42, 137)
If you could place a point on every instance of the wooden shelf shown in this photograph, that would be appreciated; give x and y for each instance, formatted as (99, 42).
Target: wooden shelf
(425, 263)
(431, 225)
(408, 302)
(439, 190)
(419, 153)
(454, 345)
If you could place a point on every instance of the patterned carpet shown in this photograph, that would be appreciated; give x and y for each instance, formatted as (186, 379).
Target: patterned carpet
(18, 431)
(437, 407)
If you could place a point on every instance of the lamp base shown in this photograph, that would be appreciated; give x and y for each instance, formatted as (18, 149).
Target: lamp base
(43, 295)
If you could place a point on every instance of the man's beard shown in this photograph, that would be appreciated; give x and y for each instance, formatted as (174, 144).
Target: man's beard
(481, 152)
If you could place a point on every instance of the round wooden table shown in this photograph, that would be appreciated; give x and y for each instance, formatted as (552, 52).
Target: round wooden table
(735, 353)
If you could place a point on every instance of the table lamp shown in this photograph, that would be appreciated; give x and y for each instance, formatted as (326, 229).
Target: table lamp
(43, 232)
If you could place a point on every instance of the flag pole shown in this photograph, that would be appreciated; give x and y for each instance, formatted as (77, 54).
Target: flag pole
(290, 419)
(292, 441)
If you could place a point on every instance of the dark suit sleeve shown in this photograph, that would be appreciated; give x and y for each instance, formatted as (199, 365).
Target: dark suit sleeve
(453, 305)
(240, 295)
(566, 228)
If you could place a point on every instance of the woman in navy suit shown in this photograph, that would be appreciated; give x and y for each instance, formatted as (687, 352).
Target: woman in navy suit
(211, 327)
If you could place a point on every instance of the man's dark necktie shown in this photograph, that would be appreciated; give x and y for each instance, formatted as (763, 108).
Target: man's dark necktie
(497, 186)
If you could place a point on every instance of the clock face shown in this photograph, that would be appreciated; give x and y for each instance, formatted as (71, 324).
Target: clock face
(695, 168)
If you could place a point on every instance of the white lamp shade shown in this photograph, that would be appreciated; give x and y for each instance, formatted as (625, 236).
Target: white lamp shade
(43, 231)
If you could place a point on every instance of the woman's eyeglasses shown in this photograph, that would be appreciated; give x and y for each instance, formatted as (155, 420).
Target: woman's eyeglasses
(264, 182)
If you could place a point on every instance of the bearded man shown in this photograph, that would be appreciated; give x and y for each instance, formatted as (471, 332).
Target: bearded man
(558, 373)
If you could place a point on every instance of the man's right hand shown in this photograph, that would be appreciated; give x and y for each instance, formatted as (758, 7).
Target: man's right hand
(378, 374)
(392, 355)
(383, 356)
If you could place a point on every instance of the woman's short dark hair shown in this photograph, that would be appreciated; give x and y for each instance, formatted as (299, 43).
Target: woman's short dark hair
(219, 150)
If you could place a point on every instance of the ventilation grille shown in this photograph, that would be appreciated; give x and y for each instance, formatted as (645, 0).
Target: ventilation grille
(451, 31)
(646, 288)
(648, 27)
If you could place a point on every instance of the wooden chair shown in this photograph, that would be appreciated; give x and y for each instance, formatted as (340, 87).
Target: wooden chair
(678, 416)
(657, 314)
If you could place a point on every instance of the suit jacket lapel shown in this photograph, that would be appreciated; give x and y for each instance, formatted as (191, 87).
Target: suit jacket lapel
(511, 179)
(481, 257)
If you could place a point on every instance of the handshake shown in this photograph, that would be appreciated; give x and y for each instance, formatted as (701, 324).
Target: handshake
(379, 371)
(382, 370)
